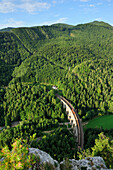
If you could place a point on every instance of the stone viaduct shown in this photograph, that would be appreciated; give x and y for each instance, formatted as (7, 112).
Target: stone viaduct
(75, 121)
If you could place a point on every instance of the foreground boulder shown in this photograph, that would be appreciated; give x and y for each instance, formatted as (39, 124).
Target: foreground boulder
(90, 163)
(44, 157)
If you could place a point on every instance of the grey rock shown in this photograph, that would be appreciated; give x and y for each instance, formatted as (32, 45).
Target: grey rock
(1, 159)
(88, 163)
(44, 157)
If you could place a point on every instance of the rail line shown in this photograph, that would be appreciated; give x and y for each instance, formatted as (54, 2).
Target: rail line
(78, 122)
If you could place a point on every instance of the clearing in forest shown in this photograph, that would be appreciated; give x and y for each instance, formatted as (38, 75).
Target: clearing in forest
(105, 122)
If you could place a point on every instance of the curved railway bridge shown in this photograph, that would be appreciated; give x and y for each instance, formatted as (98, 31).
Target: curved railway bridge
(75, 121)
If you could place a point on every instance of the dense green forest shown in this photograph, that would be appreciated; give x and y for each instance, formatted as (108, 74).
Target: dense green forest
(28, 102)
(77, 59)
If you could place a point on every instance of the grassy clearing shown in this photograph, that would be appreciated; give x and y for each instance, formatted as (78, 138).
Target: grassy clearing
(105, 122)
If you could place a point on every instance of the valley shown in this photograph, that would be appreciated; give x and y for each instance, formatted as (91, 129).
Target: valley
(78, 60)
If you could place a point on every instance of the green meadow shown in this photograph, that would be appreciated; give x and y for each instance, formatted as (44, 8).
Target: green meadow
(105, 122)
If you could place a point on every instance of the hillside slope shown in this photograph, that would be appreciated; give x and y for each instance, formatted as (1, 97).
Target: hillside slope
(78, 59)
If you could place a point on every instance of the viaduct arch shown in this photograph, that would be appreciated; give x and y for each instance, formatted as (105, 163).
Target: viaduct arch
(75, 121)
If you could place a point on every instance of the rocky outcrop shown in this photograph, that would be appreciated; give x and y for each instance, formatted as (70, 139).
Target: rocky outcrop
(89, 163)
(44, 157)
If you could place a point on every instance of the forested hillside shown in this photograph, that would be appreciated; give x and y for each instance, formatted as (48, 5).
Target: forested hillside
(12, 53)
(80, 57)
(77, 59)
